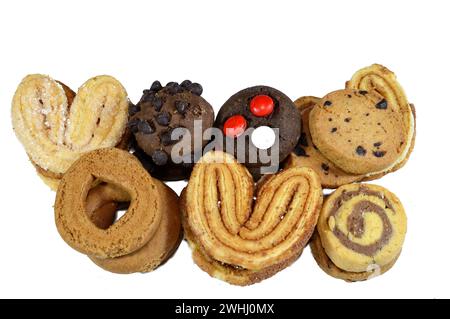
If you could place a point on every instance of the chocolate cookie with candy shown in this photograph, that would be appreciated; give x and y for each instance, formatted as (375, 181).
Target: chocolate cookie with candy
(162, 118)
(260, 126)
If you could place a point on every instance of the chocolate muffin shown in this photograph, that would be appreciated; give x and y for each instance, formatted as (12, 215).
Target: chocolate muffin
(244, 114)
(165, 117)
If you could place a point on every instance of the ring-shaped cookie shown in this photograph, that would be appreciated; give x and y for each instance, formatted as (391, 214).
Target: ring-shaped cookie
(129, 233)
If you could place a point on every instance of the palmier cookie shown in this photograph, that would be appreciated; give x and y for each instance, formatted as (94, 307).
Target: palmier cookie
(383, 81)
(56, 126)
(162, 118)
(260, 127)
(360, 232)
(241, 240)
(142, 238)
(358, 131)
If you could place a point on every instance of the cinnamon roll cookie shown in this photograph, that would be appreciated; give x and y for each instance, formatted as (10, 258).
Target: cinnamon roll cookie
(143, 238)
(360, 232)
(56, 126)
(243, 239)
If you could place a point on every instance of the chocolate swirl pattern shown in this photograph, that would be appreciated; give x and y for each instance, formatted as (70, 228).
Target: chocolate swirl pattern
(56, 126)
(225, 224)
(380, 79)
(361, 225)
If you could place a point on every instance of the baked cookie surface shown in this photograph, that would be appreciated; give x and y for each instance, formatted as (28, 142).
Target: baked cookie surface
(357, 131)
(361, 226)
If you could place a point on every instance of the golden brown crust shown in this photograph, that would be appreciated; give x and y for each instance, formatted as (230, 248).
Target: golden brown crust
(331, 269)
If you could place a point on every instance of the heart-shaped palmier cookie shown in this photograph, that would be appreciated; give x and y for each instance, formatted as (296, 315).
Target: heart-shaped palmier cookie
(242, 237)
(56, 126)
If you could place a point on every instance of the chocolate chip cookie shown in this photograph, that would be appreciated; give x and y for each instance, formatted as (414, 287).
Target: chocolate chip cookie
(164, 117)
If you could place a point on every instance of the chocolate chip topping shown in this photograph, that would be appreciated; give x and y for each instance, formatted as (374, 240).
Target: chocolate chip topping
(355, 221)
(157, 103)
(163, 118)
(145, 127)
(379, 153)
(147, 96)
(166, 138)
(160, 157)
(185, 84)
(156, 86)
(361, 151)
(173, 88)
(327, 103)
(132, 125)
(196, 89)
(133, 109)
(181, 106)
(382, 105)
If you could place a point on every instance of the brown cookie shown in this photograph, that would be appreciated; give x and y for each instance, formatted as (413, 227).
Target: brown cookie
(307, 155)
(358, 131)
(91, 192)
(331, 269)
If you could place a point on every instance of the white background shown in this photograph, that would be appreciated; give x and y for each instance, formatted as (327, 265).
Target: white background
(301, 49)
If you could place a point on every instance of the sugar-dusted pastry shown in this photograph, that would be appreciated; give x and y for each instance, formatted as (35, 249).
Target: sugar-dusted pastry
(143, 238)
(259, 110)
(243, 240)
(56, 126)
(155, 119)
(360, 232)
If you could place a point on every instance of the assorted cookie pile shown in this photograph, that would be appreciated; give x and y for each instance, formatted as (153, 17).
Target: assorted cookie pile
(244, 217)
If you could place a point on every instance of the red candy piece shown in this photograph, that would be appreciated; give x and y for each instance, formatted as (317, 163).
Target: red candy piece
(261, 105)
(234, 126)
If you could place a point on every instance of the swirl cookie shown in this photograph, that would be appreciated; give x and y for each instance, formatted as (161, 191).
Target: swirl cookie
(358, 131)
(265, 113)
(360, 232)
(56, 126)
(163, 117)
(241, 240)
(143, 238)
(383, 81)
